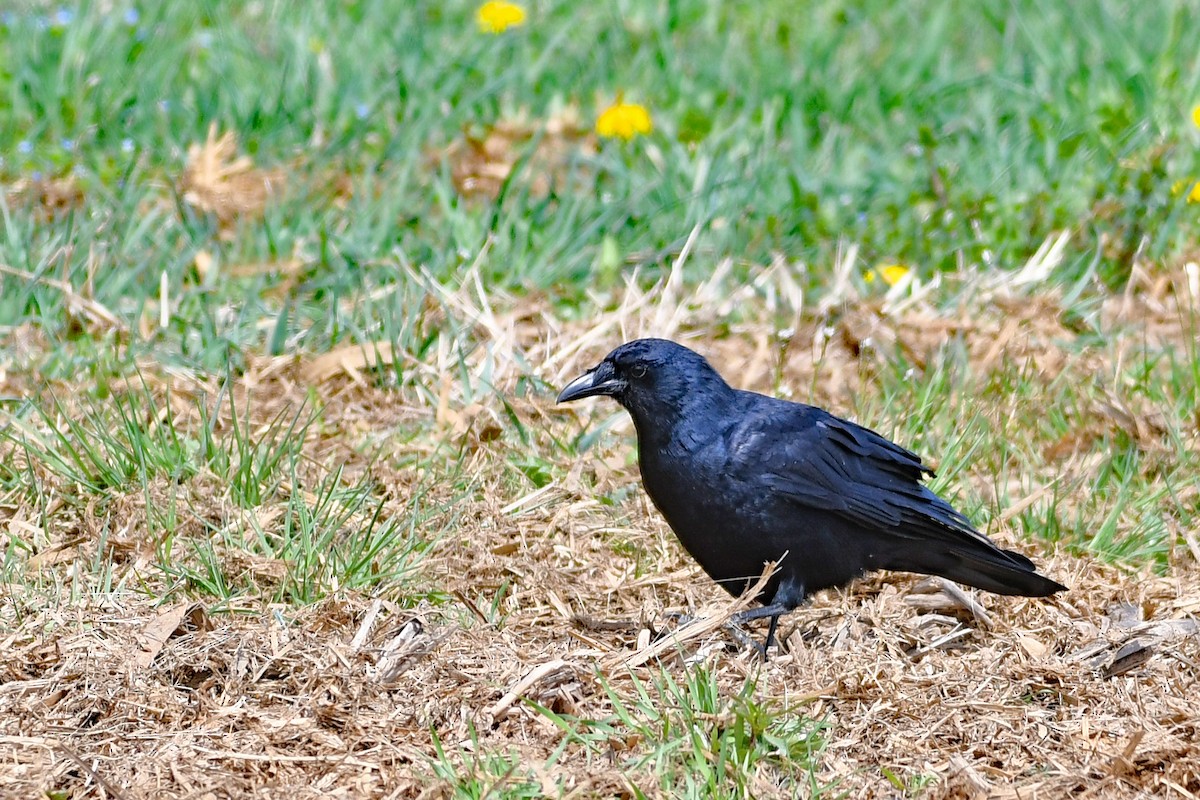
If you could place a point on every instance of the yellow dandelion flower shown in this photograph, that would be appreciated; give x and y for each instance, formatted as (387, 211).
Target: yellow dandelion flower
(1196, 115)
(891, 274)
(1188, 188)
(497, 16)
(624, 120)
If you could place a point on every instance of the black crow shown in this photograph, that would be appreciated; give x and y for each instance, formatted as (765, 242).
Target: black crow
(744, 479)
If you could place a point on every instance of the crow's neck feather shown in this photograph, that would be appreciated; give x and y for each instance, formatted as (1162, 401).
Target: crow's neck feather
(689, 409)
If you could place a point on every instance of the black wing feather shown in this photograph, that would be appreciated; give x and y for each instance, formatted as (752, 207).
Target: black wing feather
(820, 461)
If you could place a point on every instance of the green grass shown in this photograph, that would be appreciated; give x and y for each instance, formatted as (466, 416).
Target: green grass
(217, 494)
(682, 736)
(937, 135)
(699, 742)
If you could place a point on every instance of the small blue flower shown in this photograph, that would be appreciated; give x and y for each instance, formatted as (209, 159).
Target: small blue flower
(131, 17)
(68, 145)
(164, 105)
(362, 110)
(204, 40)
(63, 17)
(25, 147)
(127, 145)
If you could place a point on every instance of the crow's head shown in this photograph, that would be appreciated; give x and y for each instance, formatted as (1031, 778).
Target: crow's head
(653, 378)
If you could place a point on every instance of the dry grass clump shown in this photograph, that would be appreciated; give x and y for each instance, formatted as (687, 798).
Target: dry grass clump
(49, 197)
(217, 181)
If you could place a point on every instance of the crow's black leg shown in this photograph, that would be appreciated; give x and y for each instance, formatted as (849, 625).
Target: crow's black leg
(770, 635)
(762, 612)
(774, 611)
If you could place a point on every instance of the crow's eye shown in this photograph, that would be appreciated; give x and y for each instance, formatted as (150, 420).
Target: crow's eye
(638, 370)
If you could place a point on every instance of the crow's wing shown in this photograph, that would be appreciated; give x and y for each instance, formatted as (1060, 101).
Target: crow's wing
(819, 461)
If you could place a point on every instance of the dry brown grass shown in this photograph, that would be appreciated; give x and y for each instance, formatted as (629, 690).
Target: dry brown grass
(108, 694)
(234, 704)
(217, 181)
(48, 198)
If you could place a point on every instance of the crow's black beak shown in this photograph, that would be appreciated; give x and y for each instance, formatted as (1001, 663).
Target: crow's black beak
(599, 380)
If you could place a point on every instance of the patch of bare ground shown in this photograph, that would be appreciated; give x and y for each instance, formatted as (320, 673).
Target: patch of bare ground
(107, 693)
(481, 162)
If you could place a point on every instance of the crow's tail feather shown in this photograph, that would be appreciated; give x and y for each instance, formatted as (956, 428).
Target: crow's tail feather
(1001, 571)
